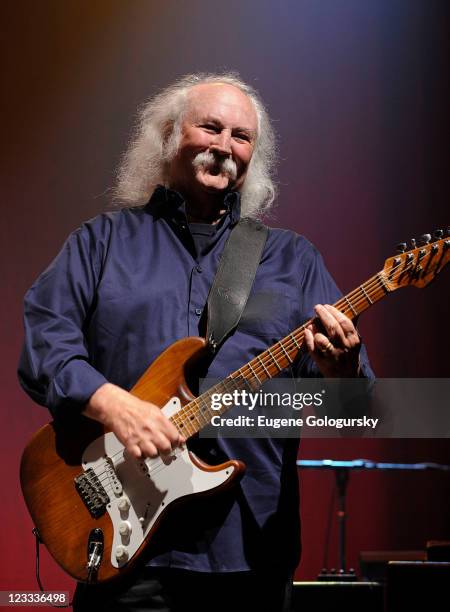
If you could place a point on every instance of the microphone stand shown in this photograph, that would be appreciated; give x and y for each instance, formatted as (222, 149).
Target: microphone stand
(342, 474)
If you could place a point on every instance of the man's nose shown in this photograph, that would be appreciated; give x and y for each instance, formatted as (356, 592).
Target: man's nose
(221, 144)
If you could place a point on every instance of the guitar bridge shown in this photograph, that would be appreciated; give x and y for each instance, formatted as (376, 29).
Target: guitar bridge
(92, 492)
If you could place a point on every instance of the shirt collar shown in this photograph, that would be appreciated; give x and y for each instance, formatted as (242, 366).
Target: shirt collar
(166, 202)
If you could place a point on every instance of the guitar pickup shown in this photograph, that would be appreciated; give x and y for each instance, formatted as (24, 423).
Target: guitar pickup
(110, 474)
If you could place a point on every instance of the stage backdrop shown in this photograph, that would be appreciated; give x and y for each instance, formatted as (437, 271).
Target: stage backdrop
(359, 95)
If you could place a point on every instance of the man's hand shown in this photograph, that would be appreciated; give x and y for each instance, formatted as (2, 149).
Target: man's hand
(334, 348)
(140, 426)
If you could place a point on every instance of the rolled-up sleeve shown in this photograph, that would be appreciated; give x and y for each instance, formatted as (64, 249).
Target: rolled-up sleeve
(54, 367)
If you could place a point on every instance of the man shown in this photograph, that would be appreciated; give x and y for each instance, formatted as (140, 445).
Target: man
(128, 284)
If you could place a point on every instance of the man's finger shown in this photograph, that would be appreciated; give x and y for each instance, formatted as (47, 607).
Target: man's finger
(341, 318)
(309, 340)
(164, 425)
(352, 337)
(332, 326)
(148, 449)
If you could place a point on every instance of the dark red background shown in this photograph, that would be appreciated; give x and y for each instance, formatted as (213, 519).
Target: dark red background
(360, 97)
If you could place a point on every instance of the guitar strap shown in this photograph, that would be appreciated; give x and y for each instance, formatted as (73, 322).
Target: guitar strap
(234, 279)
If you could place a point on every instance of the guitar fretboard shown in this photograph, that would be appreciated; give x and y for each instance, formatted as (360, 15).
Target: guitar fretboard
(198, 413)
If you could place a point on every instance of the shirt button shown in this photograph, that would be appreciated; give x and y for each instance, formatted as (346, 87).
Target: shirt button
(198, 311)
(199, 269)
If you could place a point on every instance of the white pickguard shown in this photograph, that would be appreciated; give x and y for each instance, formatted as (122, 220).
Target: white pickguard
(146, 486)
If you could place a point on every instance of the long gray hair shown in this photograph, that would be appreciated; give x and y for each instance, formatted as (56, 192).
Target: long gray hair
(157, 135)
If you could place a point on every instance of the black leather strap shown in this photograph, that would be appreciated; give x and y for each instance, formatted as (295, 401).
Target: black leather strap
(234, 279)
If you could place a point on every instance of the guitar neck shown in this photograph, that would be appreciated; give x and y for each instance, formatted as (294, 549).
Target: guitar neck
(198, 413)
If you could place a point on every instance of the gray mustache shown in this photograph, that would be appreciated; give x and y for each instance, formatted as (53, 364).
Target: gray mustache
(208, 160)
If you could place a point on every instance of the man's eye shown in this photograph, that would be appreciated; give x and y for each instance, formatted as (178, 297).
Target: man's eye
(210, 127)
(242, 136)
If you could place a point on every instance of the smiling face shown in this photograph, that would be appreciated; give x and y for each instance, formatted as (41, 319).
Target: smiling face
(218, 133)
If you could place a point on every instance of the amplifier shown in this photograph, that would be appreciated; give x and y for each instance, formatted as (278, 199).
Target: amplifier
(348, 596)
(416, 586)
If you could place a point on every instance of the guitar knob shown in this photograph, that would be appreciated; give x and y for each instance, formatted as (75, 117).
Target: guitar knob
(425, 239)
(401, 247)
(123, 504)
(125, 528)
(121, 553)
(438, 234)
(413, 243)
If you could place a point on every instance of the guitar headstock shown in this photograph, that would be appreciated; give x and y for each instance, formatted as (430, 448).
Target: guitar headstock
(420, 265)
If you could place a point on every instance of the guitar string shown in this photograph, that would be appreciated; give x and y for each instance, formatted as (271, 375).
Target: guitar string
(258, 369)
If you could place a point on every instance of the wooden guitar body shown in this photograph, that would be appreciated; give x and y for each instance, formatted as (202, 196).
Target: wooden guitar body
(76, 478)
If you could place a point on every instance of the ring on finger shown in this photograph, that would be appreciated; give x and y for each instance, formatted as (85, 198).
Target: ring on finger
(328, 347)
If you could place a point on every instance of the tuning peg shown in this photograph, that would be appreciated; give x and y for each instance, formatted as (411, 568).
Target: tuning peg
(401, 247)
(438, 234)
(424, 239)
(413, 243)
(448, 230)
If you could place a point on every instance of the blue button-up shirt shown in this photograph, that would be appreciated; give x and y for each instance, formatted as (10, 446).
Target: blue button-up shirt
(125, 286)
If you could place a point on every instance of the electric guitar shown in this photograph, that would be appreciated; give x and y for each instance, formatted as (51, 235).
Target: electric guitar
(97, 509)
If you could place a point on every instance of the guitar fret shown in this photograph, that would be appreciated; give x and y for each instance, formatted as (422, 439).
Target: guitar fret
(195, 417)
(355, 312)
(288, 357)
(295, 341)
(186, 426)
(184, 417)
(247, 382)
(224, 384)
(258, 357)
(204, 406)
(274, 360)
(201, 413)
(192, 418)
(253, 372)
(231, 382)
(364, 292)
(382, 283)
(241, 376)
(189, 418)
